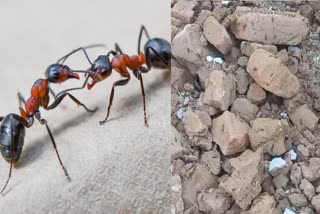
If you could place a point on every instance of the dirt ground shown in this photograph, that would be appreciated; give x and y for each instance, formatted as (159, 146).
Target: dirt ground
(121, 167)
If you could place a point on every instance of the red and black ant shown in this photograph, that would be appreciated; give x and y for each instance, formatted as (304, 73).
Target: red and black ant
(12, 130)
(157, 54)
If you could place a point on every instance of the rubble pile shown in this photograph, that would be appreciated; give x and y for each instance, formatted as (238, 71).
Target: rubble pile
(245, 107)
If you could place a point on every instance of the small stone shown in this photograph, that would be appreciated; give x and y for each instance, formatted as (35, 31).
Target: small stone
(204, 143)
(230, 133)
(306, 11)
(214, 201)
(298, 200)
(288, 211)
(193, 125)
(316, 203)
(244, 109)
(217, 35)
(220, 90)
(204, 107)
(280, 181)
(211, 159)
(296, 174)
(242, 81)
(268, 133)
(268, 28)
(245, 182)
(179, 76)
(311, 171)
(202, 179)
(243, 61)
(272, 75)
(184, 10)
(303, 117)
(283, 55)
(264, 204)
(256, 94)
(278, 166)
(307, 189)
(247, 48)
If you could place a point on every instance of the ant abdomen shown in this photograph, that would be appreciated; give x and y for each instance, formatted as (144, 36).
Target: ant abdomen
(12, 134)
(163, 47)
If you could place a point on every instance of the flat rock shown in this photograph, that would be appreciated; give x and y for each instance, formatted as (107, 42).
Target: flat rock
(217, 35)
(193, 124)
(303, 117)
(256, 94)
(272, 29)
(311, 170)
(230, 133)
(244, 109)
(214, 201)
(247, 48)
(268, 133)
(184, 10)
(265, 204)
(220, 90)
(272, 75)
(245, 182)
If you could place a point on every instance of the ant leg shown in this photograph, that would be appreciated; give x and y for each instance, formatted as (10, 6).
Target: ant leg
(148, 49)
(1, 118)
(52, 92)
(62, 96)
(139, 77)
(72, 89)
(117, 48)
(44, 122)
(142, 29)
(21, 99)
(64, 58)
(117, 83)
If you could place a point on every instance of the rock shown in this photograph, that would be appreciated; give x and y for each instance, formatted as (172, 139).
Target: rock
(245, 182)
(176, 148)
(204, 143)
(203, 74)
(307, 189)
(230, 133)
(202, 179)
(179, 76)
(207, 108)
(272, 29)
(283, 55)
(265, 204)
(243, 61)
(303, 117)
(187, 48)
(242, 81)
(212, 160)
(316, 203)
(311, 171)
(204, 117)
(217, 35)
(256, 94)
(298, 200)
(244, 109)
(317, 15)
(268, 133)
(306, 11)
(278, 166)
(288, 211)
(247, 48)
(296, 174)
(184, 10)
(202, 17)
(214, 201)
(280, 181)
(176, 193)
(193, 124)
(220, 90)
(272, 75)
(189, 194)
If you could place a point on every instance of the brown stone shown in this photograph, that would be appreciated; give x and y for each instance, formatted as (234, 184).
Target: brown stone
(303, 117)
(184, 10)
(214, 201)
(256, 94)
(193, 124)
(247, 48)
(272, 75)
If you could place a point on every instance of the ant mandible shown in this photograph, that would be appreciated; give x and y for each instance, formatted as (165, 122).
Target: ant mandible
(157, 55)
(12, 129)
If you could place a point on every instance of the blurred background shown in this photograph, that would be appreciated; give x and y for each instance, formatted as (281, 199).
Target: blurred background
(121, 167)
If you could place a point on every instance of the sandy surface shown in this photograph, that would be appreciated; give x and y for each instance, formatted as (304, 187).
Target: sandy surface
(121, 167)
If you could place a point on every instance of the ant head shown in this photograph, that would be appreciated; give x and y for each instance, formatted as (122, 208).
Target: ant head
(57, 73)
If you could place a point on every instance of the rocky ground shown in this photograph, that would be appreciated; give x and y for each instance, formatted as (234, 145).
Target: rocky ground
(245, 107)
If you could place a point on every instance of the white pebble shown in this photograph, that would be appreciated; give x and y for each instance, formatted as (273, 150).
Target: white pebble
(288, 211)
(276, 163)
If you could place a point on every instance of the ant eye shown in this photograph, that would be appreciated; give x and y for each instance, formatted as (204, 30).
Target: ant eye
(53, 73)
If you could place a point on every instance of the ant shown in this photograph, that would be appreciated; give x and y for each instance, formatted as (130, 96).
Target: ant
(157, 54)
(12, 129)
